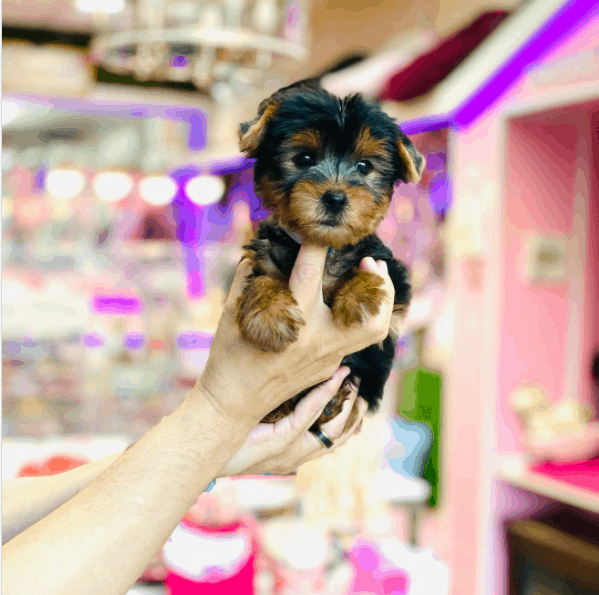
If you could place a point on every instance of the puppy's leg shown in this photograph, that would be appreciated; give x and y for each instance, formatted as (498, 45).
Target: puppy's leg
(356, 298)
(268, 315)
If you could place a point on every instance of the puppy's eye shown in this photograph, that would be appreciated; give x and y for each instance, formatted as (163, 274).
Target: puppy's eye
(304, 160)
(364, 167)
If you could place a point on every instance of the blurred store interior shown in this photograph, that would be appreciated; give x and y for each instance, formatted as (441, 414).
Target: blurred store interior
(125, 204)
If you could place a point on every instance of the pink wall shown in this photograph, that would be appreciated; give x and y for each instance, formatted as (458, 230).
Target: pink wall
(590, 343)
(507, 332)
(538, 199)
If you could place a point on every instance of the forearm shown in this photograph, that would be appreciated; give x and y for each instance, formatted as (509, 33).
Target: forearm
(27, 500)
(101, 540)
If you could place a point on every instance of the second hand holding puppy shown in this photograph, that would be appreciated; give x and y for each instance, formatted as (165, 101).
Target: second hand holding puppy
(244, 384)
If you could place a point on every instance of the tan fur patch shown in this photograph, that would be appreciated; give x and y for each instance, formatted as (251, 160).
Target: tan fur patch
(270, 193)
(368, 146)
(268, 315)
(251, 138)
(330, 286)
(283, 410)
(304, 212)
(414, 172)
(308, 139)
(335, 405)
(357, 298)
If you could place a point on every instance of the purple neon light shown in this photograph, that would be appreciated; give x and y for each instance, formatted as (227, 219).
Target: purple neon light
(426, 124)
(108, 304)
(194, 116)
(563, 23)
(194, 340)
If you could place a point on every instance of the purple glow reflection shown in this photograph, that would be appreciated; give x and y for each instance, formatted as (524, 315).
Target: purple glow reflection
(93, 340)
(440, 194)
(134, 341)
(179, 61)
(105, 304)
(194, 340)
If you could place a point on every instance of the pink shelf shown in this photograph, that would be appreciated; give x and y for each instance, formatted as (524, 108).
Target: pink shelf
(558, 487)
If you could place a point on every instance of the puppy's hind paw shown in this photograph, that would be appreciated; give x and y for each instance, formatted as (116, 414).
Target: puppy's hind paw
(268, 315)
(357, 298)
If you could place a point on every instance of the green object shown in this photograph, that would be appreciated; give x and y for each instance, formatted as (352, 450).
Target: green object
(421, 402)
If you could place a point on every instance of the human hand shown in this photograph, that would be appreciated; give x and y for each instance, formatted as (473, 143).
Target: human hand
(281, 447)
(244, 384)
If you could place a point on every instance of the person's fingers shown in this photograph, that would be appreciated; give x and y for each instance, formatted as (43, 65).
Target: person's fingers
(306, 278)
(362, 407)
(375, 328)
(309, 409)
(334, 428)
(241, 274)
(316, 453)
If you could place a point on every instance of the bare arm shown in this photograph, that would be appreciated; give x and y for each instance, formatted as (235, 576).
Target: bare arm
(100, 540)
(270, 448)
(26, 500)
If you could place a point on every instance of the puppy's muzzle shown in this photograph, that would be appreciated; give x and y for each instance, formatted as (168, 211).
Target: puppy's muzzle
(334, 202)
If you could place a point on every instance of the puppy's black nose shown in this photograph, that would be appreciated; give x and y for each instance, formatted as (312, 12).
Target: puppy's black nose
(334, 201)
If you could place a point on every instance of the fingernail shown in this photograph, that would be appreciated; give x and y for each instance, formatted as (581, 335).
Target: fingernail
(383, 263)
(367, 262)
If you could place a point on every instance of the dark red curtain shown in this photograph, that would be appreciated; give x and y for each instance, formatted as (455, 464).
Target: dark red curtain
(425, 72)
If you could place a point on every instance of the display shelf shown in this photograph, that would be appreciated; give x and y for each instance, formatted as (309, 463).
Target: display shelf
(515, 473)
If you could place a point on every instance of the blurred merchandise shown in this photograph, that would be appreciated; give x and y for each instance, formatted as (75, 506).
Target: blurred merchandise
(54, 465)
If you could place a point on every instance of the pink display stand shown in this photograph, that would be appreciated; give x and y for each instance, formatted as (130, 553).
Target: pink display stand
(232, 571)
(584, 474)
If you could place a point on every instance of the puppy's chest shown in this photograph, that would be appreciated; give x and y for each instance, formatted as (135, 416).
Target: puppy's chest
(338, 268)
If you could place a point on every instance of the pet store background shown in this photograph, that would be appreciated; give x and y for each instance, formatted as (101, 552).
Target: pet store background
(124, 206)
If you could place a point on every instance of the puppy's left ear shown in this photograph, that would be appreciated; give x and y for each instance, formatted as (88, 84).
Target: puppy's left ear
(414, 163)
(252, 132)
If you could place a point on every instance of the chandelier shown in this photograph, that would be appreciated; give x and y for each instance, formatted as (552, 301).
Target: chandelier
(205, 43)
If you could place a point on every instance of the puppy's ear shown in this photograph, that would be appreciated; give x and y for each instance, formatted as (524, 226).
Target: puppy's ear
(414, 163)
(251, 133)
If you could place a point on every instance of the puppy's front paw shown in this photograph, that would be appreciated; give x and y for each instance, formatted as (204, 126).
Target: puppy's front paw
(268, 315)
(357, 298)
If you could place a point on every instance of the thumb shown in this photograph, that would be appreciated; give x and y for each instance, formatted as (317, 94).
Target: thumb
(306, 278)
(241, 274)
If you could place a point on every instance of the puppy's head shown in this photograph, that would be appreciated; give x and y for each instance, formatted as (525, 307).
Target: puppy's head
(327, 166)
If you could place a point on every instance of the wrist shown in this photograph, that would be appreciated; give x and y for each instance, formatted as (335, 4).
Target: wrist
(206, 407)
(227, 404)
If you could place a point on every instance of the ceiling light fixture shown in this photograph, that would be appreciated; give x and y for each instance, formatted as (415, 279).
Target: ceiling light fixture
(202, 42)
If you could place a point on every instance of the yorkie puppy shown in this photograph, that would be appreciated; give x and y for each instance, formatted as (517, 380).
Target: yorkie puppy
(326, 168)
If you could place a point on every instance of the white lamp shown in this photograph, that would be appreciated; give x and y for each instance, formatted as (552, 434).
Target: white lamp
(205, 189)
(157, 190)
(64, 184)
(112, 186)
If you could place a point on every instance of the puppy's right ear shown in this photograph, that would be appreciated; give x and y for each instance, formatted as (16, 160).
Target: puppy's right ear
(251, 133)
